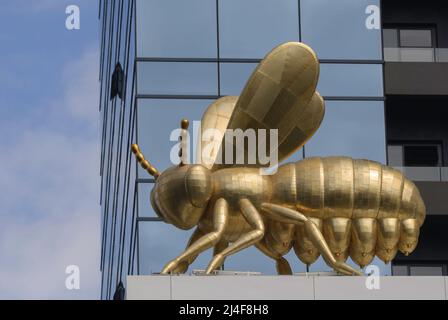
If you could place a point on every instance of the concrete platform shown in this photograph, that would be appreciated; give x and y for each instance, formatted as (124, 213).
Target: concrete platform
(259, 287)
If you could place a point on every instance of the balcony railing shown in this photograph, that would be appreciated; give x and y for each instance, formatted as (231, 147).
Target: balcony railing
(416, 54)
(425, 173)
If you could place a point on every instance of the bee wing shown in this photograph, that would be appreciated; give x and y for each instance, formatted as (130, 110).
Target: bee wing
(304, 127)
(280, 94)
(213, 126)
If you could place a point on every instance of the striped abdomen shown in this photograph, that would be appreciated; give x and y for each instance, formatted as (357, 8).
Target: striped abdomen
(363, 208)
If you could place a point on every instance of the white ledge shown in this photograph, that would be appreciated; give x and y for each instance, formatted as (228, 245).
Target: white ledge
(229, 287)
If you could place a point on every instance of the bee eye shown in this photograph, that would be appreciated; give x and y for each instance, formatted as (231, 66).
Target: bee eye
(199, 185)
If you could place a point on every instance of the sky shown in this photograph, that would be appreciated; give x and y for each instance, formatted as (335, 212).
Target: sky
(49, 124)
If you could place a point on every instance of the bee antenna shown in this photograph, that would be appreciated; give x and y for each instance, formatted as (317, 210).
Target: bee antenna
(184, 124)
(143, 162)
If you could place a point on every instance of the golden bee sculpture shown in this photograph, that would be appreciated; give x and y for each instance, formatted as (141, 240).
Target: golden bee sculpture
(335, 206)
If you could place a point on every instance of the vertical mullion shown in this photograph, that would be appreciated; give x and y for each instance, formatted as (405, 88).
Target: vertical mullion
(384, 82)
(299, 8)
(105, 126)
(218, 53)
(126, 184)
(111, 144)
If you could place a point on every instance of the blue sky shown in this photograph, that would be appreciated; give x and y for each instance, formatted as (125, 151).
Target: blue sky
(49, 208)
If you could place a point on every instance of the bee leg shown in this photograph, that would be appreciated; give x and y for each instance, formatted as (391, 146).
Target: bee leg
(220, 217)
(282, 265)
(220, 247)
(182, 267)
(252, 216)
(283, 214)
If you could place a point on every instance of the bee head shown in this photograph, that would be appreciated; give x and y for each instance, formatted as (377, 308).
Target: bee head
(181, 194)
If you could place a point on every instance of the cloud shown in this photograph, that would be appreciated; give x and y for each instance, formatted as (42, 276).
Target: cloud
(49, 193)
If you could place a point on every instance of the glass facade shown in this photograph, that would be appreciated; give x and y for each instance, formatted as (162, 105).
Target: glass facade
(117, 170)
(180, 55)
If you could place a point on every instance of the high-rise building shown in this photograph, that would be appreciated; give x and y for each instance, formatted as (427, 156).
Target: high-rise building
(416, 89)
(164, 60)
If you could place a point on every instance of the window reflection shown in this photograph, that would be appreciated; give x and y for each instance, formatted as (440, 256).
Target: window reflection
(144, 204)
(351, 128)
(234, 77)
(180, 78)
(160, 243)
(337, 29)
(359, 80)
(251, 28)
(176, 28)
(156, 120)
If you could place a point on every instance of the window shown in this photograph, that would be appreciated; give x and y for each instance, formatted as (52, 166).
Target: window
(426, 270)
(400, 270)
(159, 243)
(420, 269)
(418, 161)
(156, 119)
(179, 78)
(416, 38)
(409, 44)
(390, 38)
(395, 154)
(144, 204)
(342, 29)
(408, 37)
(355, 80)
(234, 77)
(176, 28)
(421, 156)
(251, 28)
(350, 128)
(415, 154)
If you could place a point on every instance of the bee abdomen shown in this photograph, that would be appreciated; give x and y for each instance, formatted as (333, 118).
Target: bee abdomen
(400, 215)
(303, 246)
(367, 209)
(363, 240)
